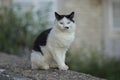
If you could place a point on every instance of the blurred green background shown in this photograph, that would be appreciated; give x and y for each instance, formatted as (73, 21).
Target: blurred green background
(18, 30)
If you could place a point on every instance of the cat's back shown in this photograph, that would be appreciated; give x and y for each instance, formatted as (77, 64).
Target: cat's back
(41, 40)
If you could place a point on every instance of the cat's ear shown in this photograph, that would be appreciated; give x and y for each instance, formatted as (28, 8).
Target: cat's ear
(71, 15)
(57, 16)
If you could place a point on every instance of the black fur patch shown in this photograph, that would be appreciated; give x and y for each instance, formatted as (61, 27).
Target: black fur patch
(70, 16)
(41, 40)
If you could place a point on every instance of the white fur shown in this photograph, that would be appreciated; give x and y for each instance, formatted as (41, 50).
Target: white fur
(58, 42)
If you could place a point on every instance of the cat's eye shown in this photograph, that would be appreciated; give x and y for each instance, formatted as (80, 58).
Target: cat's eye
(61, 22)
(68, 22)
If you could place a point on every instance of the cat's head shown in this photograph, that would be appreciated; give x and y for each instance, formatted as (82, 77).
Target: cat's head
(65, 22)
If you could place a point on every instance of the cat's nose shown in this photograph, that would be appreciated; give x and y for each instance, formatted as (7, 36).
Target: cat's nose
(66, 27)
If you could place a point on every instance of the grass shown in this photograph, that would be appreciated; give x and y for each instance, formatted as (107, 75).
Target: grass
(95, 64)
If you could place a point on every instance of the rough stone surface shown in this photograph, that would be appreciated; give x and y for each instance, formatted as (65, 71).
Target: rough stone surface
(18, 68)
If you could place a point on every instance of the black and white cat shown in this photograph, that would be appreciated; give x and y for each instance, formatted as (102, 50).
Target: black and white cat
(50, 47)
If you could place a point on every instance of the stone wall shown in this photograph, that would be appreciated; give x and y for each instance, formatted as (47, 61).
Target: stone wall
(88, 20)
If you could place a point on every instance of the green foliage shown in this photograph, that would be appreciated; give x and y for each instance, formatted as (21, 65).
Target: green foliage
(18, 27)
(96, 64)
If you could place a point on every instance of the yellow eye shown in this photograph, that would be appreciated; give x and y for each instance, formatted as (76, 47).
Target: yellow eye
(61, 22)
(68, 22)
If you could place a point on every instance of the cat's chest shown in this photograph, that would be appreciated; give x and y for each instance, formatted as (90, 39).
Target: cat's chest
(65, 38)
(62, 39)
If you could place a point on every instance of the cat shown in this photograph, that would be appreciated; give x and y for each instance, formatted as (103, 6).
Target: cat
(50, 47)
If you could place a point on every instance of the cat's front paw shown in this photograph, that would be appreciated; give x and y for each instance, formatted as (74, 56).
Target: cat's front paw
(65, 67)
